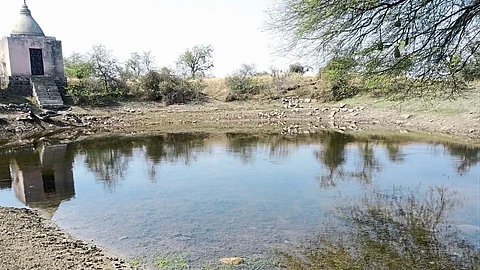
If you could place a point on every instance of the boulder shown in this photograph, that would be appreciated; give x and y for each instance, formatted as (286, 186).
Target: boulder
(232, 261)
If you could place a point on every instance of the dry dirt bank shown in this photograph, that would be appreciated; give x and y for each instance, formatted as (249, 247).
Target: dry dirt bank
(28, 241)
(459, 119)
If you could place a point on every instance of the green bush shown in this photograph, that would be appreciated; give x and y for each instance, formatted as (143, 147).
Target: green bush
(298, 68)
(91, 92)
(471, 71)
(241, 87)
(338, 73)
(165, 86)
(242, 83)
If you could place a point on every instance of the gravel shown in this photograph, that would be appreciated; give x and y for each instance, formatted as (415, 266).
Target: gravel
(30, 241)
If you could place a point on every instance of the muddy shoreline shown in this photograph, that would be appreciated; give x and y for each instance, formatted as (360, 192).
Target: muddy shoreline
(286, 117)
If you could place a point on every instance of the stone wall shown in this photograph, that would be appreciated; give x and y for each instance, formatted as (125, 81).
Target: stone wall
(19, 85)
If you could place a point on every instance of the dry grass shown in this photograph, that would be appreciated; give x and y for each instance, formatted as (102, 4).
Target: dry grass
(271, 87)
(216, 88)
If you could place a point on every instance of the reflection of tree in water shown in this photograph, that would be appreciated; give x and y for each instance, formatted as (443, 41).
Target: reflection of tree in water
(172, 148)
(243, 145)
(282, 146)
(279, 146)
(394, 152)
(108, 159)
(394, 230)
(465, 156)
(333, 157)
(368, 165)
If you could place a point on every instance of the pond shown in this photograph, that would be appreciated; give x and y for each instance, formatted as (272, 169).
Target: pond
(203, 197)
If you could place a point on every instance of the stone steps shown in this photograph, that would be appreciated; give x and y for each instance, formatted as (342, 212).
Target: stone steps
(46, 93)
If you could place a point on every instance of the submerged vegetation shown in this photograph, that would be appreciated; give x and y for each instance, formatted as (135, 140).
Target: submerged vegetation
(401, 229)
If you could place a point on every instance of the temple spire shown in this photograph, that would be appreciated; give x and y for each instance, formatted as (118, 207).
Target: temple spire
(26, 25)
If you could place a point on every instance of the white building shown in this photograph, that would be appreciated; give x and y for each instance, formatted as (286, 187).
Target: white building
(28, 57)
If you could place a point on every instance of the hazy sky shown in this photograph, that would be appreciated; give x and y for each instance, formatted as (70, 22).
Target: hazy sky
(167, 28)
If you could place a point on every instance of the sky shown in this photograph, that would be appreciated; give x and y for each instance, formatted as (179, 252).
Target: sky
(167, 28)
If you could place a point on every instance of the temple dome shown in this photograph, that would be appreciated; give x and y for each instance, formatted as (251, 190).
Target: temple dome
(26, 24)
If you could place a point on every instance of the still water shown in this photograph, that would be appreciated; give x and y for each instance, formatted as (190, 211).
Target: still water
(212, 196)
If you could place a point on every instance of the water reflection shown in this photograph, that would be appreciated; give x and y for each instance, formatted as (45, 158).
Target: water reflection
(465, 157)
(342, 157)
(109, 159)
(333, 155)
(174, 147)
(212, 196)
(42, 177)
(5, 177)
(399, 229)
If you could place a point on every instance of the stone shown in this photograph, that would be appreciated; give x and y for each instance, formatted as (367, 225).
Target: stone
(46, 93)
(232, 261)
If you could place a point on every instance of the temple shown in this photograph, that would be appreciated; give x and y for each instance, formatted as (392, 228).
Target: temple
(31, 64)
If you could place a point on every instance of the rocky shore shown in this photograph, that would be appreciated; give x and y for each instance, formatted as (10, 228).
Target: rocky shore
(19, 124)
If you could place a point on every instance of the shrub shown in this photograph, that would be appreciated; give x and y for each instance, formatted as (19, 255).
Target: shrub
(165, 86)
(242, 83)
(338, 73)
(91, 92)
(471, 71)
(298, 68)
(241, 87)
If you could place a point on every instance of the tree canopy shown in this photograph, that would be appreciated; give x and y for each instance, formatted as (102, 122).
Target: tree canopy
(195, 62)
(427, 38)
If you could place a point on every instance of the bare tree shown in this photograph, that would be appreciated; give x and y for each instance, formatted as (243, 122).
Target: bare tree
(139, 64)
(105, 65)
(429, 38)
(148, 60)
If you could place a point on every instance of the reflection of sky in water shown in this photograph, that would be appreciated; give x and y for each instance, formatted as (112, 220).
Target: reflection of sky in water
(223, 203)
(7, 198)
